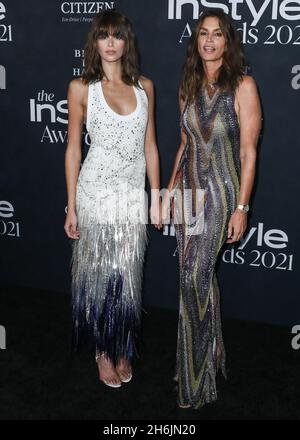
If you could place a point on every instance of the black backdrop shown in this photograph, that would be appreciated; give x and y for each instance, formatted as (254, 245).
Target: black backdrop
(41, 51)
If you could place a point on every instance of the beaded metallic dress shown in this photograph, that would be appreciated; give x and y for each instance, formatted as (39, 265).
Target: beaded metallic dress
(210, 164)
(107, 259)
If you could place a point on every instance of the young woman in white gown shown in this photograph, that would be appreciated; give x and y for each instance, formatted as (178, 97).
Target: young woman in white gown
(107, 209)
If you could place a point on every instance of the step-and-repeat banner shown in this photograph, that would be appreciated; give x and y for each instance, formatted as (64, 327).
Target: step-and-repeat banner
(41, 45)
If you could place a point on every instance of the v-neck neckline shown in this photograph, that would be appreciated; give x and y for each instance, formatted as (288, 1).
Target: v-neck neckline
(211, 97)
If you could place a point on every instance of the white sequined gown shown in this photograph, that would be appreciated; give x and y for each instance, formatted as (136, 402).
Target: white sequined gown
(111, 206)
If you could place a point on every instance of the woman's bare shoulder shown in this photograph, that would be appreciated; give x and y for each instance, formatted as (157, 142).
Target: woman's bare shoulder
(147, 84)
(247, 83)
(77, 88)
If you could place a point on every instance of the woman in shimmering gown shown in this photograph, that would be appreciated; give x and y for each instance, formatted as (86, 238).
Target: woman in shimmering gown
(107, 210)
(212, 182)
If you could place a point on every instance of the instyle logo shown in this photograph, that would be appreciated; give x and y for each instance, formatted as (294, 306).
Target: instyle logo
(2, 78)
(286, 9)
(267, 10)
(44, 106)
(8, 227)
(5, 30)
(261, 248)
(296, 78)
(45, 109)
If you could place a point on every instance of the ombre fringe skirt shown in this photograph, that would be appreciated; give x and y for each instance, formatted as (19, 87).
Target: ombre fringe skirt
(107, 271)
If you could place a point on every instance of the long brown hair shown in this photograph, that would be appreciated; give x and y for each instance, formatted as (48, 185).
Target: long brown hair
(233, 66)
(114, 22)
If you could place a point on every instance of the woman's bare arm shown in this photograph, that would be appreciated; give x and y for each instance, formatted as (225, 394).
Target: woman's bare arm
(250, 126)
(76, 96)
(249, 110)
(151, 153)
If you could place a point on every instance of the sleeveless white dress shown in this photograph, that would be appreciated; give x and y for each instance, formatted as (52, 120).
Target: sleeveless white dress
(111, 206)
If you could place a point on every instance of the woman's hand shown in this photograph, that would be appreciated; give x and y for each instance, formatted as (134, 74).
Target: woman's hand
(155, 214)
(71, 225)
(236, 226)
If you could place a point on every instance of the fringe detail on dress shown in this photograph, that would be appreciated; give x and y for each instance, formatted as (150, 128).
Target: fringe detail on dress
(107, 269)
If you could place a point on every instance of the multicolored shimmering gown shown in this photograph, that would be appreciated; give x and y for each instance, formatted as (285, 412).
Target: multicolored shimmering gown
(210, 164)
(107, 260)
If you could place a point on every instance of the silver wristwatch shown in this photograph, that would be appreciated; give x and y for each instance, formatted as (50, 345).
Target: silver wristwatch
(244, 208)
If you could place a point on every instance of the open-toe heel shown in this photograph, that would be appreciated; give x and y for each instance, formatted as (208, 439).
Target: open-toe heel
(106, 382)
(125, 380)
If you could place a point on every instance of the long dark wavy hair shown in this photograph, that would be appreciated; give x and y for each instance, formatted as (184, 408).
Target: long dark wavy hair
(233, 66)
(115, 23)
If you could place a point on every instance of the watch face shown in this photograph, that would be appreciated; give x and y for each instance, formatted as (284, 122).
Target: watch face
(244, 208)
